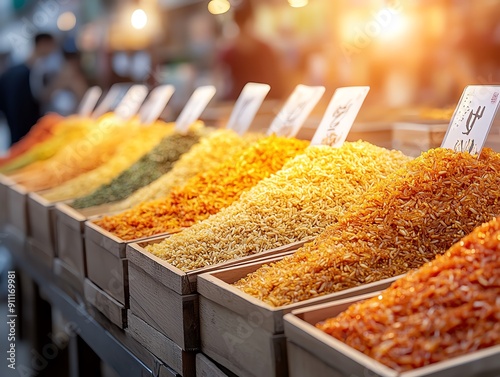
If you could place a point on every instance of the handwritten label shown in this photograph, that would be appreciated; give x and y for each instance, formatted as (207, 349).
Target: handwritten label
(154, 105)
(246, 106)
(471, 122)
(194, 107)
(111, 99)
(130, 104)
(89, 101)
(340, 115)
(296, 110)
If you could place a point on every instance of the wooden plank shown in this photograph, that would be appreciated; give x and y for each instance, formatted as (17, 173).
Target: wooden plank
(302, 363)
(314, 347)
(239, 344)
(69, 280)
(107, 270)
(41, 218)
(176, 316)
(5, 183)
(109, 307)
(162, 347)
(186, 282)
(104, 240)
(34, 250)
(70, 246)
(206, 368)
(17, 208)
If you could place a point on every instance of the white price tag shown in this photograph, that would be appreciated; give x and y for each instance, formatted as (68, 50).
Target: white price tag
(340, 116)
(89, 101)
(111, 99)
(296, 110)
(471, 122)
(246, 106)
(129, 105)
(152, 108)
(194, 107)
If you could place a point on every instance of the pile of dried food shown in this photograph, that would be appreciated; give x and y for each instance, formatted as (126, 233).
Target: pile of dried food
(299, 201)
(448, 307)
(206, 193)
(401, 223)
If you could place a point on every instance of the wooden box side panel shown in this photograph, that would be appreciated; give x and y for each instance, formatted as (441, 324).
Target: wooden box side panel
(162, 347)
(108, 306)
(71, 247)
(206, 368)
(68, 278)
(239, 344)
(41, 217)
(174, 315)
(302, 363)
(17, 208)
(107, 271)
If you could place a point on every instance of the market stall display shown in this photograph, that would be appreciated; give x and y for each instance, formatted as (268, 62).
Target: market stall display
(149, 168)
(207, 154)
(399, 224)
(207, 192)
(447, 308)
(298, 202)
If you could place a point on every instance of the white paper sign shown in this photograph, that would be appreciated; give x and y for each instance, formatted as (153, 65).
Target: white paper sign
(246, 106)
(194, 107)
(340, 116)
(471, 122)
(130, 104)
(154, 105)
(89, 101)
(296, 110)
(111, 99)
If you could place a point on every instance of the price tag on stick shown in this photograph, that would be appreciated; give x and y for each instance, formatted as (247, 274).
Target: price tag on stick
(111, 99)
(194, 107)
(130, 104)
(89, 101)
(296, 110)
(471, 122)
(154, 105)
(246, 106)
(340, 115)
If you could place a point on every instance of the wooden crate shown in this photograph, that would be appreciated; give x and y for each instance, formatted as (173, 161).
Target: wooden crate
(17, 208)
(245, 334)
(70, 226)
(163, 348)
(207, 368)
(35, 251)
(165, 297)
(313, 352)
(104, 303)
(106, 261)
(41, 220)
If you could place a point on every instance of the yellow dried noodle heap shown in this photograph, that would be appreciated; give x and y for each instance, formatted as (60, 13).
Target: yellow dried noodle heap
(400, 224)
(297, 202)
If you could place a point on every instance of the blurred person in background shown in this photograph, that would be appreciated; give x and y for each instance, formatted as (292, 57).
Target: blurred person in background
(65, 91)
(247, 58)
(18, 102)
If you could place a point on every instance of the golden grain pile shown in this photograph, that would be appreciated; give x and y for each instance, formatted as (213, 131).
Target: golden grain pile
(206, 193)
(297, 202)
(447, 308)
(141, 139)
(207, 154)
(80, 156)
(401, 223)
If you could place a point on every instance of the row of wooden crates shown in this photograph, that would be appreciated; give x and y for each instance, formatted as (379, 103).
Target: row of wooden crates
(175, 315)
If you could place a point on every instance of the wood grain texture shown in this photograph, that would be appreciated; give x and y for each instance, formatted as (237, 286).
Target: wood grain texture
(162, 347)
(42, 218)
(206, 368)
(67, 278)
(71, 246)
(176, 316)
(109, 307)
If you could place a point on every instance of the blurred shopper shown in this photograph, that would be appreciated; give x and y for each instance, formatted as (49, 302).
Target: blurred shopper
(17, 101)
(247, 58)
(66, 90)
